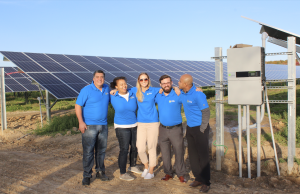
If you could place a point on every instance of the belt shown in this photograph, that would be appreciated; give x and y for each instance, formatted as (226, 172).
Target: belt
(170, 127)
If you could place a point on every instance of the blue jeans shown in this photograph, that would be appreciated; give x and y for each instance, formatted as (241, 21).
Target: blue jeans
(94, 137)
(126, 137)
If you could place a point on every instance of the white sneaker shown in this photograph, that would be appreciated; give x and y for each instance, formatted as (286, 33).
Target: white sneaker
(145, 172)
(149, 176)
(134, 169)
(126, 177)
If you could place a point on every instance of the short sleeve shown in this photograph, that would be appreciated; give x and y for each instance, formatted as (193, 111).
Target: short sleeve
(82, 97)
(201, 100)
(133, 90)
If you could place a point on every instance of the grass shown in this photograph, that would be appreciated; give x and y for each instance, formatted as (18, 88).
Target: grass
(59, 124)
(17, 102)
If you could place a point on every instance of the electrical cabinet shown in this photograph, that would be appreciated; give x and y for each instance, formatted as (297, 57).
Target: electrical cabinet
(246, 75)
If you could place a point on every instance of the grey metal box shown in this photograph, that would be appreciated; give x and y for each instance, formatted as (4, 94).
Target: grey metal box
(246, 73)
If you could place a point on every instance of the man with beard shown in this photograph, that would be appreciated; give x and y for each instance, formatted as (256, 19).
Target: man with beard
(170, 129)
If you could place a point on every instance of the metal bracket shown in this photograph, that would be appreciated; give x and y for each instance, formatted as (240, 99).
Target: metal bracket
(219, 88)
(281, 53)
(281, 80)
(222, 57)
(220, 101)
(280, 101)
(279, 87)
(220, 82)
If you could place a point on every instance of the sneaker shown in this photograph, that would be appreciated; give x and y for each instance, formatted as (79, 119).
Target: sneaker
(86, 181)
(126, 177)
(145, 172)
(134, 169)
(149, 176)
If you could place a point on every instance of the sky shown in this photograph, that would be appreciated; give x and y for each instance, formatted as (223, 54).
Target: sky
(165, 29)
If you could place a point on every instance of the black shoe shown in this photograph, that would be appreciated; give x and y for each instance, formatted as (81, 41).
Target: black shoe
(86, 181)
(101, 175)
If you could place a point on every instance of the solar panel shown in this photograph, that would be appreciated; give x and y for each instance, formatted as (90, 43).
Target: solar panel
(65, 75)
(16, 81)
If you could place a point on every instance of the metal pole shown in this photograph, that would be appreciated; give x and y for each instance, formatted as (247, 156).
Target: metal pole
(219, 109)
(291, 106)
(48, 109)
(3, 100)
(248, 140)
(271, 128)
(244, 118)
(240, 140)
(39, 99)
(2, 113)
(258, 138)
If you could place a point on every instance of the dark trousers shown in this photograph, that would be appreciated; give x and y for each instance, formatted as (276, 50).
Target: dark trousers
(126, 137)
(198, 150)
(94, 138)
(167, 138)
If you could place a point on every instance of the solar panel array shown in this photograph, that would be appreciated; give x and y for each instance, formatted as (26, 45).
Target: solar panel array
(17, 82)
(275, 72)
(65, 75)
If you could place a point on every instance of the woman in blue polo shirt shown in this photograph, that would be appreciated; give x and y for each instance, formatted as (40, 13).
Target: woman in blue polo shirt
(125, 123)
(147, 122)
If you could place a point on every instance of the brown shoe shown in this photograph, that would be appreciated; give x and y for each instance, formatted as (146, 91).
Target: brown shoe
(195, 184)
(204, 189)
(167, 177)
(182, 179)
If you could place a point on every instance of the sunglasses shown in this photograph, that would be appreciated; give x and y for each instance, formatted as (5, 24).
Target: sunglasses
(146, 79)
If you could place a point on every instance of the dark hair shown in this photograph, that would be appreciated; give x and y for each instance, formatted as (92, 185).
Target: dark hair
(114, 82)
(164, 77)
(98, 71)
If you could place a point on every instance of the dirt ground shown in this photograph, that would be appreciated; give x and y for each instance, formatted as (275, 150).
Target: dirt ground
(44, 164)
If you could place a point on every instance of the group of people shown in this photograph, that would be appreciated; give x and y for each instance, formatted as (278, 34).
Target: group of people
(139, 126)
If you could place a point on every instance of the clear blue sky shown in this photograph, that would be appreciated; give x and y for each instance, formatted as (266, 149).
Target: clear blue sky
(182, 30)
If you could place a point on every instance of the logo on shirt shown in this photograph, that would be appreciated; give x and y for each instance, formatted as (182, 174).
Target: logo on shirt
(148, 94)
(203, 104)
(188, 101)
(106, 93)
(132, 97)
(170, 101)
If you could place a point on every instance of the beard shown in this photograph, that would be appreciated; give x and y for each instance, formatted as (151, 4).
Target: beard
(167, 90)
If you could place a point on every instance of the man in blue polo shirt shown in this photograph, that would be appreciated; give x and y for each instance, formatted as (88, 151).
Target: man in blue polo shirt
(197, 115)
(91, 110)
(170, 129)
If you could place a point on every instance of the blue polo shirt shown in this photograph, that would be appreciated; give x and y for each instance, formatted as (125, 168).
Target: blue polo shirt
(124, 111)
(193, 102)
(169, 108)
(147, 112)
(94, 104)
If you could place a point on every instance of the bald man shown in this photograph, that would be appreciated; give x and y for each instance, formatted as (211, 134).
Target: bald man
(197, 133)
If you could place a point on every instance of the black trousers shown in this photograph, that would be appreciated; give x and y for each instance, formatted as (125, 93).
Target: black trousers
(198, 150)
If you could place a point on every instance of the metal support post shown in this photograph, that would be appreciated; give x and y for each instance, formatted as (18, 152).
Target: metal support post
(292, 105)
(240, 140)
(244, 118)
(39, 99)
(3, 101)
(248, 140)
(219, 107)
(48, 108)
(258, 138)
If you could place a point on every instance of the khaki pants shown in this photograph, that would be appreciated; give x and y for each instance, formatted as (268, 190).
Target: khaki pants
(147, 134)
